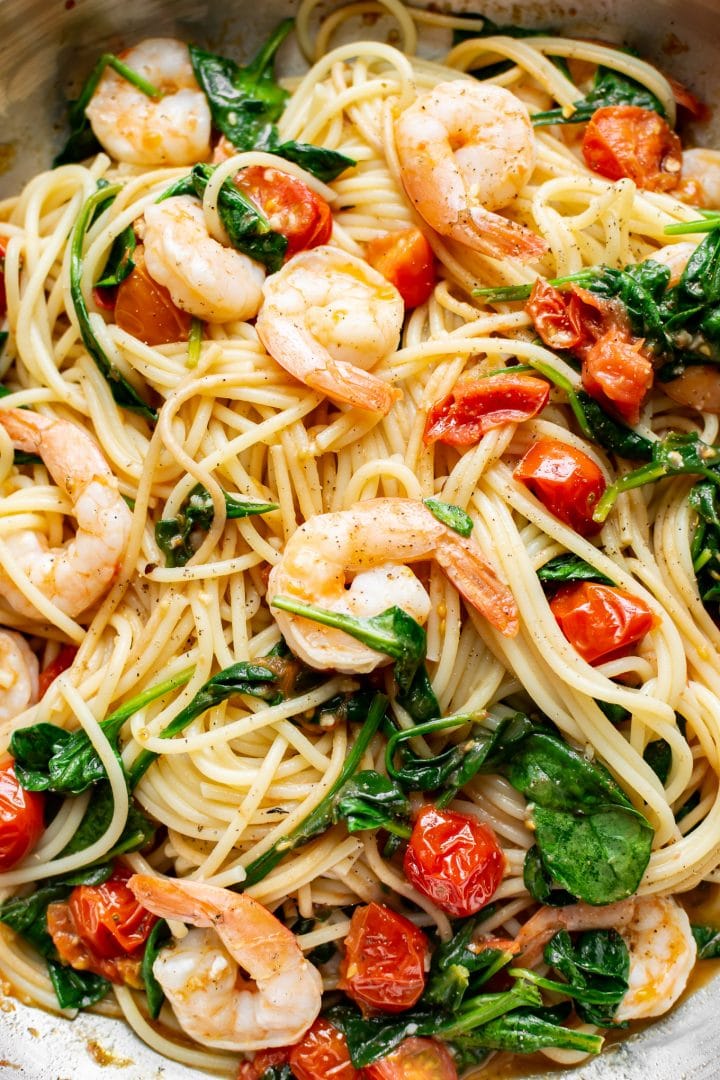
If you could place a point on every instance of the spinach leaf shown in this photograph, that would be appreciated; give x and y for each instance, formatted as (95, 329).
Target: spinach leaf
(707, 939)
(570, 567)
(539, 882)
(123, 392)
(343, 708)
(119, 262)
(369, 800)
(137, 833)
(76, 989)
(176, 536)
(609, 88)
(459, 968)
(452, 516)
(278, 1072)
(616, 714)
(488, 28)
(525, 1031)
(393, 632)
(658, 755)
(705, 547)
(320, 819)
(155, 994)
(606, 431)
(419, 700)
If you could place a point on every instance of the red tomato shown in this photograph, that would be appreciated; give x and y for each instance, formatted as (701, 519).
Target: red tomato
(146, 310)
(617, 373)
(453, 859)
(477, 405)
(384, 963)
(61, 663)
(105, 296)
(322, 1055)
(625, 140)
(22, 819)
(406, 259)
(291, 207)
(600, 621)
(558, 321)
(414, 1059)
(264, 1060)
(108, 918)
(566, 481)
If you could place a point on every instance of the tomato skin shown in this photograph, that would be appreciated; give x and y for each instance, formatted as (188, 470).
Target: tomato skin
(384, 963)
(108, 918)
(62, 662)
(453, 859)
(600, 621)
(22, 816)
(566, 481)
(322, 1055)
(263, 1060)
(414, 1059)
(405, 259)
(291, 207)
(616, 373)
(146, 310)
(625, 140)
(477, 405)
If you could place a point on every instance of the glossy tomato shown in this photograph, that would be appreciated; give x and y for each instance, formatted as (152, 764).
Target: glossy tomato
(61, 663)
(618, 374)
(453, 859)
(263, 1060)
(21, 816)
(414, 1059)
(600, 621)
(566, 481)
(146, 310)
(108, 918)
(322, 1055)
(291, 207)
(476, 405)
(625, 140)
(384, 963)
(406, 259)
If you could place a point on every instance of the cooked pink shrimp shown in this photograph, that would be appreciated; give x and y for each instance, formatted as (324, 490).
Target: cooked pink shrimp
(327, 317)
(675, 257)
(77, 574)
(199, 973)
(18, 675)
(171, 130)
(467, 149)
(702, 165)
(369, 546)
(658, 935)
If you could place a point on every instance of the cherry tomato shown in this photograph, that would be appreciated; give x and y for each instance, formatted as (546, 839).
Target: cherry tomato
(406, 259)
(565, 480)
(145, 309)
(477, 405)
(600, 621)
(414, 1059)
(22, 819)
(618, 374)
(73, 951)
(105, 296)
(625, 140)
(108, 918)
(291, 207)
(558, 321)
(322, 1055)
(263, 1060)
(384, 963)
(453, 859)
(61, 663)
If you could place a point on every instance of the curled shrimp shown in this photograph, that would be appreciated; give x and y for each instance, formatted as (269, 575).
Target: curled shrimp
(199, 973)
(327, 318)
(205, 278)
(369, 546)
(77, 574)
(466, 150)
(171, 130)
(701, 165)
(19, 685)
(659, 939)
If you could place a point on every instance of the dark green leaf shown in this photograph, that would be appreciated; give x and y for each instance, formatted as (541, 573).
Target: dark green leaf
(325, 164)
(137, 833)
(525, 1031)
(452, 516)
(27, 915)
(459, 968)
(420, 700)
(119, 262)
(488, 28)
(707, 939)
(540, 884)
(570, 567)
(658, 755)
(369, 800)
(278, 1072)
(596, 970)
(343, 708)
(610, 88)
(76, 989)
(177, 537)
(616, 714)
(612, 435)
(159, 935)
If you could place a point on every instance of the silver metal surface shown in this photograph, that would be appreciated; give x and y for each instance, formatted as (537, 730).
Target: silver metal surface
(46, 48)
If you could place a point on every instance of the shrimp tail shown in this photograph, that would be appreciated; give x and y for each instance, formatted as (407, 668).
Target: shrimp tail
(478, 583)
(355, 387)
(494, 235)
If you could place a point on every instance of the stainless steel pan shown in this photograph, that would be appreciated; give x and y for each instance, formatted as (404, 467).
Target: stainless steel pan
(46, 48)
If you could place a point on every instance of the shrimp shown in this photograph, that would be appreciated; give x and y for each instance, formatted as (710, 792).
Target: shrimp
(327, 318)
(370, 543)
(701, 166)
(675, 257)
(205, 278)
(199, 973)
(171, 130)
(77, 574)
(659, 939)
(466, 150)
(19, 685)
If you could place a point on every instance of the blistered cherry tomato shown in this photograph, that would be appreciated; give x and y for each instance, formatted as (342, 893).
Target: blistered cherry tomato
(384, 963)
(617, 373)
(61, 663)
(146, 310)
(322, 1055)
(600, 621)
(263, 1060)
(453, 859)
(291, 207)
(625, 140)
(477, 405)
(414, 1059)
(21, 816)
(566, 481)
(561, 323)
(108, 918)
(406, 259)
